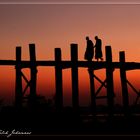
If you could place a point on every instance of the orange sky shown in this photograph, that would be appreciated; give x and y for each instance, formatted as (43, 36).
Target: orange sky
(51, 26)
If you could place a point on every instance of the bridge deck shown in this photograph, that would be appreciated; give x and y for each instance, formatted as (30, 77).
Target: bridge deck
(68, 64)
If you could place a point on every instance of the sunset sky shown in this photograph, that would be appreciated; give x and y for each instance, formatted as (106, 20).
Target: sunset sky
(52, 25)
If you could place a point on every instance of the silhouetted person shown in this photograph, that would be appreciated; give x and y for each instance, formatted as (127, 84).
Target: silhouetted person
(98, 49)
(89, 54)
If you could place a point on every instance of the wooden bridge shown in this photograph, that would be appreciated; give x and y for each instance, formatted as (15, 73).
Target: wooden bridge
(74, 64)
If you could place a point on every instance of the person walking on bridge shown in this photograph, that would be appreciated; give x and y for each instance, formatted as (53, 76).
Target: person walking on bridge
(98, 49)
(89, 53)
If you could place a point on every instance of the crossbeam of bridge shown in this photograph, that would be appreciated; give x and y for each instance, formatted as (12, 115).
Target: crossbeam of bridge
(68, 64)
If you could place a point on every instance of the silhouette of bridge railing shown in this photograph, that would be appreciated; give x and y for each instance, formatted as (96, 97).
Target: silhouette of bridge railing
(74, 64)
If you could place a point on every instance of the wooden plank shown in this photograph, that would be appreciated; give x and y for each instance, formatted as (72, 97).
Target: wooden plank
(18, 85)
(74, 70)
(67, 64)
(33, 73)
(125, 97)
(92, 91)
(8, 62)
(109, 80)
(58, 80)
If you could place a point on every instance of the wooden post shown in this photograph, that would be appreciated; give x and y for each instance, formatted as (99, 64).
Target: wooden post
(58, 80)
(92, 91)
(124, 83)
(75, 91)
(18, 86)
(109, 79)
(33, 73)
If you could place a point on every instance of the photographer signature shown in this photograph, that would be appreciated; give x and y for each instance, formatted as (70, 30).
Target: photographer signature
(14, 133)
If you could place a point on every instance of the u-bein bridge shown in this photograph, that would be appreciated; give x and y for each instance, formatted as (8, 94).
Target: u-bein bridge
(74, 64)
